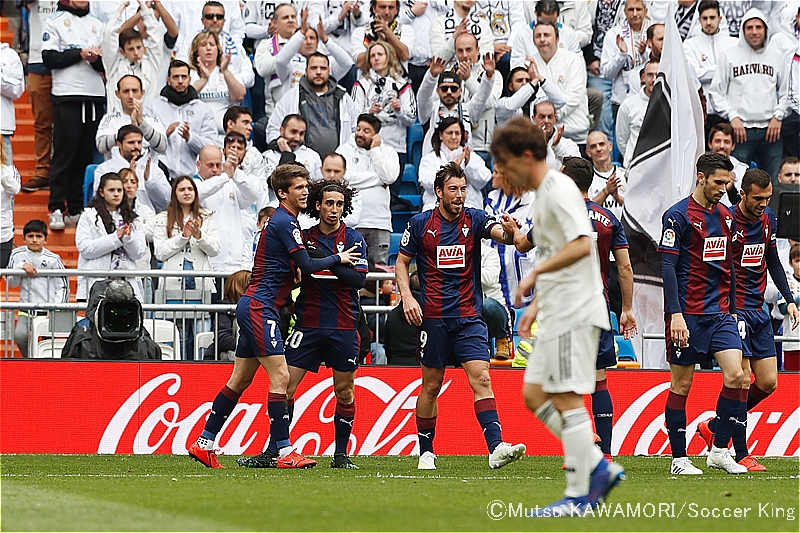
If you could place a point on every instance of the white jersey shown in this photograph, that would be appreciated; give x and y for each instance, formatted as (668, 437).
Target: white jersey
(599, 182)
(39, 12)
(216, 94)
(65, 31)
(11, 185)
(570, 298)
(38, 289)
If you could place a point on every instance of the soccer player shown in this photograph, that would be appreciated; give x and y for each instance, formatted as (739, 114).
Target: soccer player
(327, 315)
(257, 313)
(610, 239)
(754, 253)
(447, 243)
(571, 312)
(699, 297)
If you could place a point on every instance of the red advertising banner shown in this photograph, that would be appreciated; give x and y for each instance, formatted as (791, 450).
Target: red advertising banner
(159, 407)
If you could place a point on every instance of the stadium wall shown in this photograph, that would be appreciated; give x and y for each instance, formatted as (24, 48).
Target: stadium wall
(75, 407)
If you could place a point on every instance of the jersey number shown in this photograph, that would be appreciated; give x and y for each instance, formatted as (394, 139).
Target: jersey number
(295, 339)
(423, 338)
(742, 329)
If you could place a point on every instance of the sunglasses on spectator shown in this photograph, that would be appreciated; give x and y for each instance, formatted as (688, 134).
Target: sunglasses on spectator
(449, 88)
(212, 16)
(234, 139)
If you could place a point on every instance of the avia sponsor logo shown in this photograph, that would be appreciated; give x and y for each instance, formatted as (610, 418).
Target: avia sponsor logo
(752, 255)
(451, 256)
(715, 248)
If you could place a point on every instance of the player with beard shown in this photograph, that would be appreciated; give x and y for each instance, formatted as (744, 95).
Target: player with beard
(280, 251)
(699, 301)
(754, 252)
(446, 241)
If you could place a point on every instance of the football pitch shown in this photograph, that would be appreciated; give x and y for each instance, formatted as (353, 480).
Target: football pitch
(174, 493)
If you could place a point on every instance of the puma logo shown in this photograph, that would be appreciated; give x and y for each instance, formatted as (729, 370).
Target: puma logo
(432, 232)
(425, 435)
(348, 422)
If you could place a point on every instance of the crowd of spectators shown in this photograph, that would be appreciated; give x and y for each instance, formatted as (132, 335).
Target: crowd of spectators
(190, 106)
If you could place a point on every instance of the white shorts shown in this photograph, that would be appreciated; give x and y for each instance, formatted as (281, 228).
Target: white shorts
(565, 363)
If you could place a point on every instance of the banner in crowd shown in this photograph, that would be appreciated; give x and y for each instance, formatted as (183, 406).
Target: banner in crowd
(71, 407)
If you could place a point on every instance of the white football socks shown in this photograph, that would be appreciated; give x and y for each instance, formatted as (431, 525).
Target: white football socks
(581, 456)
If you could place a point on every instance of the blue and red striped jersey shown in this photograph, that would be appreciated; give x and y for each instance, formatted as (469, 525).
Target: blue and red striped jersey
(701, 238)
(448, 260)
(324, 301)
(753, 239)
(610, 236)
(273, 269)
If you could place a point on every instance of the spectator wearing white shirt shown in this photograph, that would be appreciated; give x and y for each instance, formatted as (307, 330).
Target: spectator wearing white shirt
(327, 108)
(284, 21)
(449, 146)
(572, 13)
(130, 184)
(11, 88)
(568, 71)
(546, 10)
(225, 189)
(385, 27)
(129, 153)
(463, 17)
(10, 186)
(604, 15)
(421, 15)
(289, 148)
(372, 167)
(259, 17)
(631, 113)
(608, 183)
(189, 121)
(220, 17)
(130, 95)
(558, 146)
(721, 141)
(525, 88)
(340, 18)
(506, 20)
(704, 49)
(128, 52)
(219, 81)
(383, 91)
(624, 49)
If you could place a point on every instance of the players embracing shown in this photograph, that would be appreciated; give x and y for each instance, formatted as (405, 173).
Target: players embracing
(446, 241)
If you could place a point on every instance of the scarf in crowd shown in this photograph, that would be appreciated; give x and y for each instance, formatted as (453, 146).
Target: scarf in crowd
(370, 35)
(176, 98)
(634, 58)
(605, 15)
(684, 17)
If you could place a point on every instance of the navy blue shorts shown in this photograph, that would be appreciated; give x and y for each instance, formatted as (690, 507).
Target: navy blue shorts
(259, 329)
(755, 329)
(451, 341)
(708, 334)
(308, 348)
(607, 353)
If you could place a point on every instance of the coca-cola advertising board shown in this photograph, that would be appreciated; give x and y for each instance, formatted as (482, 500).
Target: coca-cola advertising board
(160, 407)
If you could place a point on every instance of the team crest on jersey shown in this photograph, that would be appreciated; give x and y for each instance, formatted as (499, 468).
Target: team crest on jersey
(298, 237)
(668, 239)
(728, 221)
(451, 256)
(405, 238)
(340, 247)
(714, 248)
(465, 230)
(753, 255)
(67, 23)
(45, 36)
(499, 26)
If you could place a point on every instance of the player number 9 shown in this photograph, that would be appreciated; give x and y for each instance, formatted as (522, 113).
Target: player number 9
(423, 338)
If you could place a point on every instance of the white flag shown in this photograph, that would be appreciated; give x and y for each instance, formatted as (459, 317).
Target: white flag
(662, 169)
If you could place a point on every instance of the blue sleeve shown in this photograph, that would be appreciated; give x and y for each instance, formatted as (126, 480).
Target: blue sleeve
(618, 238)
(351, 277)
(354, 238)
(732, 293)
(409, 243)
(777, 273)
(308, 265)
(672, 301)
(671, 230)
(291, 237)
(485, 221)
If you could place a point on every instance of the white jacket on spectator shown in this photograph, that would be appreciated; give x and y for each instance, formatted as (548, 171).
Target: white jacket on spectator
(443, 28)
(227, 197)
(524, 46)
(407, 37)
(618, 67)
(475, 87)
(506, 18)
(511, 106)
(216, 94)
(177, 248)
(794, 82)
(394, 124)
(282, 65)
(475, 169)
(181, 155)
(38, 288)
(100, 250)
(11, 88)
(421, 52)
(148, 69)
(191, 15)
(568, 70)
(746, 82)
(557, 153)
(629, 123)
(154, 134)
(290, 104)
(154, 192)
(576, 14)
(148, 218)
(702, 53)
(65, 31)
(371, 172)
(40, 11)
(11, 185)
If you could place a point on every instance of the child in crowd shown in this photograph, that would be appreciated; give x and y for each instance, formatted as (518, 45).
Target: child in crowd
(34, 289)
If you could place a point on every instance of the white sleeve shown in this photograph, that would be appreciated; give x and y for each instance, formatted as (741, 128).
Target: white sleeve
(441, 45)
(209, 241)
(612, 60)
(13, 79)
(89, 246)
(718, 91)
(340, 59)
(157, 187)
(209, 187)
(11, 181)
(583, 23)
(135, 244)
(250, 188)
(165, 247)
(386, 162)
(477, 174)
(624, 128)
(265, 62)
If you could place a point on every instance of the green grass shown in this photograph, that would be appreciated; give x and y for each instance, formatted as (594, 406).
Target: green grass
(171, 493)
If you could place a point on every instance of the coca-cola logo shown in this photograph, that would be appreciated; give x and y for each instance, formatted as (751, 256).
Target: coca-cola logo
(392, 433)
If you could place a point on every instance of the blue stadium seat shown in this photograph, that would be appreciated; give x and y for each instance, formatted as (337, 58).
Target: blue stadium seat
(400, 220)
(415, 137)
(614, 323)
(394, 247)
(408, 182)
(415, 199)
(88, 183)
(626, 352)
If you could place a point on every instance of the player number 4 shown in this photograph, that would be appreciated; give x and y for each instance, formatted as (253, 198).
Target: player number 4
(742, 329)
